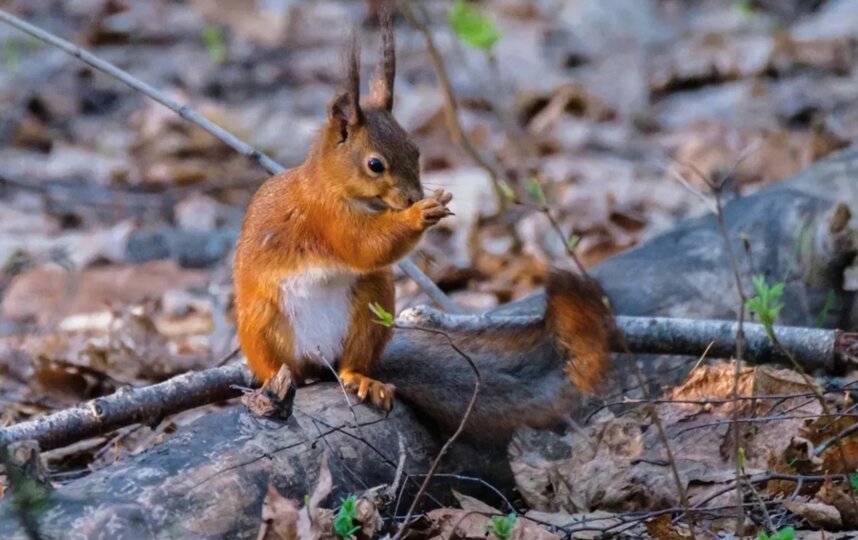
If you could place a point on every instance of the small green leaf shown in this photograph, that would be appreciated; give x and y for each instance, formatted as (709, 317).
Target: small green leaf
(501, 526)
(216, 45)
(344, 521)
(473, 27)
(766, 305)
(507, 190)
(573, 242)
(383, 317)
(534, 189)
(742, 458)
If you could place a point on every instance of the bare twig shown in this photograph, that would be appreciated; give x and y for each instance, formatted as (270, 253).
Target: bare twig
(740, 347)
(431, 473)
(265, 162)
(144, 405)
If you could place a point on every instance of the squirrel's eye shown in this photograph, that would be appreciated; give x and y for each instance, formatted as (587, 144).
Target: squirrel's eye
(375, 165)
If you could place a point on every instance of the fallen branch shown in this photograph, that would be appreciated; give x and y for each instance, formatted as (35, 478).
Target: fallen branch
(816, 349)
(187, 113)
(146, 405)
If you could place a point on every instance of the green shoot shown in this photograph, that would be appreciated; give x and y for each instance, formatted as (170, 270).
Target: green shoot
(383, 317)
(742, 458)
(472, 27)
(853, 481)
(216, 45)
(345, 521)
(501, 526)
(787, 533)
(573, 242)
(766, 305)
(534, 189)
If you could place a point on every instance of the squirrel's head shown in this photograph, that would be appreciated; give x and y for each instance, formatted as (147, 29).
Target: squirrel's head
(365, 153)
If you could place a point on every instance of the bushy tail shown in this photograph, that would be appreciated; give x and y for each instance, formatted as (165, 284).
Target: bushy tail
(580, 322)
(525, 367)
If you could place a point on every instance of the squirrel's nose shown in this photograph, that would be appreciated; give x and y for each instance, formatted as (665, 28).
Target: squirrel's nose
(411, 200)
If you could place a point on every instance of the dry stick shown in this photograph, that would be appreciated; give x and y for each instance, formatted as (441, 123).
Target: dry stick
(662, 435)
(187, 113)
(431, 473)
(145, 405)
(740, 345)
(717, 191)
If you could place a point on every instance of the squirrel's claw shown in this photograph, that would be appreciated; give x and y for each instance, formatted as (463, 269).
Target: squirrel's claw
(367, 389)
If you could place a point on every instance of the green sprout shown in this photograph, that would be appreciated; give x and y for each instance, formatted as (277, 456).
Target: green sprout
(573, 242)
(383, 317)
(472, 27)
(216, 45)
(345, 521)
(767, 303)
(501, 526)
(534, 189)
(787, 533)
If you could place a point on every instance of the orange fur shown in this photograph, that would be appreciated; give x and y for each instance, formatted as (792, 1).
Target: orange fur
(582, 325)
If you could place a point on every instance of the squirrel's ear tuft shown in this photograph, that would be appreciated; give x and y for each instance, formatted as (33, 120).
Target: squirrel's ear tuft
(344, 111)
(381, 87)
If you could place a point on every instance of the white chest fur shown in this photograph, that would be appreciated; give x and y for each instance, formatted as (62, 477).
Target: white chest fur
(317, 303)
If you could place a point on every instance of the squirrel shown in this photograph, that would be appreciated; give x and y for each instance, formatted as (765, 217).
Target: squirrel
(318, 241)
(316, 249)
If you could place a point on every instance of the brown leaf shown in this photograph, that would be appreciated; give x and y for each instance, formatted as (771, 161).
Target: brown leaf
(466, 502)
(662, 528)
(838, 495)
(315, 523)
(817, 514)
(589, 522)
(279, 516)
(471, 525)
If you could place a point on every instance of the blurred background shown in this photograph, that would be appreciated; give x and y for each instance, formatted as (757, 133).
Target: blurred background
(117, 218)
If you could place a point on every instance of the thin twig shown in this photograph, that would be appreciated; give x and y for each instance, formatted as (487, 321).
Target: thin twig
(189, 114)
(430, 474)
(740, 337)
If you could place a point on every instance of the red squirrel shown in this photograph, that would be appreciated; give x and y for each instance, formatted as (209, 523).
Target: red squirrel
(318, 241)
(316, 249)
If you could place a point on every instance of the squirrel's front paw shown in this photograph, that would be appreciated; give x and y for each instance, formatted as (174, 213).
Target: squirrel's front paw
(380, 394)
(434, 207)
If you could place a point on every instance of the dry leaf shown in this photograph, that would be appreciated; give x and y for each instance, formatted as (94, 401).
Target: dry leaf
(817, 514)
(315, 523)
(279, 517)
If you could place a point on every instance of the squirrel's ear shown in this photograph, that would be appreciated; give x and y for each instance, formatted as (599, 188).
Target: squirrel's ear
(344, 111)
(381, 87)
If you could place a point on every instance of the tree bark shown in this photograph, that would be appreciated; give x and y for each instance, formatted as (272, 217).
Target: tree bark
(208, 480)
